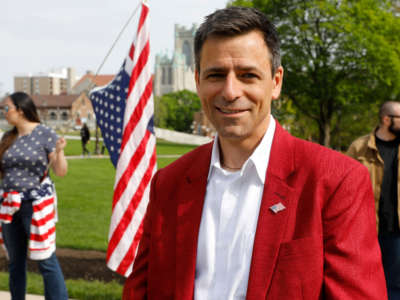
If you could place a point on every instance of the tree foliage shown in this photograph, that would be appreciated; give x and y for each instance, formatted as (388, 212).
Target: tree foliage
(175, 110)
(338, 56)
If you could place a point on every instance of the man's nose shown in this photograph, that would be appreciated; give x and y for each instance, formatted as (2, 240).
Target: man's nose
(232, 88)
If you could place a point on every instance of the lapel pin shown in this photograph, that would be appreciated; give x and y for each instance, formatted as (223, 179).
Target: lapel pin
(277, 207)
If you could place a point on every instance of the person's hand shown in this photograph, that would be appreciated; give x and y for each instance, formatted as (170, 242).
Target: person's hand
(60, 144)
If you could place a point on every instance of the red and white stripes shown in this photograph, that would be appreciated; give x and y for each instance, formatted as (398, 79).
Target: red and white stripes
(42, 239)
(137, 160)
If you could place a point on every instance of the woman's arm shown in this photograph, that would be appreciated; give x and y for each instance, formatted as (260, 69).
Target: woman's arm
(57, 158)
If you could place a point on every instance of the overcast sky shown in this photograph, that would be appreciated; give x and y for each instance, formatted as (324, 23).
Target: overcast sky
(38, 36)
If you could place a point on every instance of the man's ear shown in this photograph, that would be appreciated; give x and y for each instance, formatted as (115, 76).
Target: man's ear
(197, 79)
(277, 83)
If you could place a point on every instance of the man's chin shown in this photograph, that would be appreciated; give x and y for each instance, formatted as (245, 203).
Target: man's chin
(232, 134)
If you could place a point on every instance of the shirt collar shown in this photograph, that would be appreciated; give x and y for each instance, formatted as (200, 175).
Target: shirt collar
(259, 158)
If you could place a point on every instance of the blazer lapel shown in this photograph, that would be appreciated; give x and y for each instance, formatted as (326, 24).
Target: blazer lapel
(189, 210)
(271, 224)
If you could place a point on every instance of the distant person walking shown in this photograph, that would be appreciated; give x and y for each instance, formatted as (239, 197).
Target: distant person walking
(85, 138)
(25, 153)
(379, 152)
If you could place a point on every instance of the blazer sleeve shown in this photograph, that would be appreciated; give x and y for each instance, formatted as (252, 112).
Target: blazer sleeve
(352, 265)
(135, 287)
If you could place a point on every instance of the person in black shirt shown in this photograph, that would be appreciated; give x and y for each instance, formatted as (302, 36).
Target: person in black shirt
(379, 152)
(85, 137)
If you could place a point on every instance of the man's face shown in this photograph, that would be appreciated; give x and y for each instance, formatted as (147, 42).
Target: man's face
(394, 126)
(235, 85)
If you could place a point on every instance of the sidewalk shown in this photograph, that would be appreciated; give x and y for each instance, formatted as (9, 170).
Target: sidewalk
(6, 296)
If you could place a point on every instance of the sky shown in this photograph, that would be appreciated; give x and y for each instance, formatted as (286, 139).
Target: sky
(43, 35)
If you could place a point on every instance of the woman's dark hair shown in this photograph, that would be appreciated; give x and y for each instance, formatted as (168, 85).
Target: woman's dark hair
(24, 103)
(234, 21)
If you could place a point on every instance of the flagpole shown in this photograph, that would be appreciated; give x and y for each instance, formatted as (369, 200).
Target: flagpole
(113, 45)
(92, 82)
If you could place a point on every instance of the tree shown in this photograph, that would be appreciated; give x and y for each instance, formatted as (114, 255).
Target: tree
(175, 110)
(338, 55)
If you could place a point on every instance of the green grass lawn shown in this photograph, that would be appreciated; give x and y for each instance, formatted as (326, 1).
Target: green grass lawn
(84, 204)
(74, 147)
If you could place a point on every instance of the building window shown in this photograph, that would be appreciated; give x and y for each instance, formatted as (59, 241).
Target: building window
(187, 51)
(53, 116)
(64, 116)
(169, 75)
(163, 75)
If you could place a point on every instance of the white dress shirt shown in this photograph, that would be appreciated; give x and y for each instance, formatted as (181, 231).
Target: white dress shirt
(229, 222)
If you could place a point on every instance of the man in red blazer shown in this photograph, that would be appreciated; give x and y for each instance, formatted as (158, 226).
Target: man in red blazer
(257, 214)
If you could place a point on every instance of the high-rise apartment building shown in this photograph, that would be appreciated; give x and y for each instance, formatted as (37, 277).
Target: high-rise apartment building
(52, 83)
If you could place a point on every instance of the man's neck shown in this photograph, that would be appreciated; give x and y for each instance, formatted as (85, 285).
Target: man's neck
(234, 152)
(384, 134)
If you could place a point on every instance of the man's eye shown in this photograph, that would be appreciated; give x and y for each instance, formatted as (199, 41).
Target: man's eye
(249, 75)
(215, 75)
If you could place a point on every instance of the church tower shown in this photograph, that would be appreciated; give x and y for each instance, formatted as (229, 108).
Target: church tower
(176, 73)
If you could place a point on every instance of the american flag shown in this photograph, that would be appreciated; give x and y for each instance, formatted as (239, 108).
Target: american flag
(124, 111)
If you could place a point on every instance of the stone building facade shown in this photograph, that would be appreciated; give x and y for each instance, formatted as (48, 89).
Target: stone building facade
(176, 73)
(60, 111)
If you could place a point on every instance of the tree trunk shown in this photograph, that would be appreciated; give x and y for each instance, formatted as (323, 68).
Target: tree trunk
(327, 134)
(324, 134)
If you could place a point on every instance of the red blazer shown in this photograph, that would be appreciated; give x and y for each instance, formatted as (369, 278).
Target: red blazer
(322, 246)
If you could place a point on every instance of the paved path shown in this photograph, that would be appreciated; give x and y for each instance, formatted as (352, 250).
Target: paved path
(6, 296)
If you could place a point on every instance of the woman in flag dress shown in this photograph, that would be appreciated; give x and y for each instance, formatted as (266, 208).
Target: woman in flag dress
(25, 152)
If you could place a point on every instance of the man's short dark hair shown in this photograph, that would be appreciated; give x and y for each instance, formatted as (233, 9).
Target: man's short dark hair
(233, 21)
